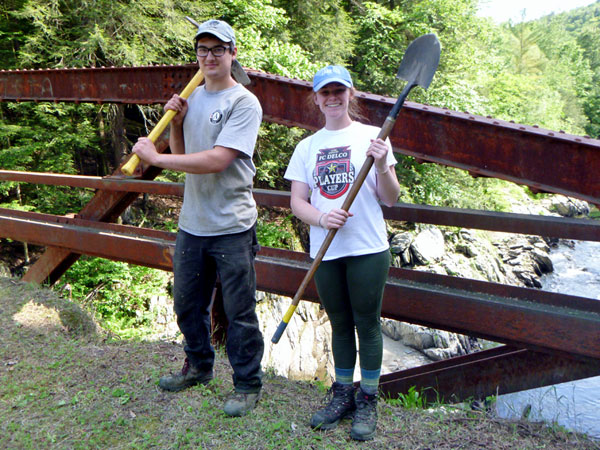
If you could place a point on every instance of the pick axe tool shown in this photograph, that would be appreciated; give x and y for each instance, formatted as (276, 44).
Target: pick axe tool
(238, 73)
(417, 67)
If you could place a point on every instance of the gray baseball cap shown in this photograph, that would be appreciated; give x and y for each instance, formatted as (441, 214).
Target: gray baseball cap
(218, 28)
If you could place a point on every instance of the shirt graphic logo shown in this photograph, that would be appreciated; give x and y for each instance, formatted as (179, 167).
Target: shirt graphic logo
(334, 173)
(216, 117)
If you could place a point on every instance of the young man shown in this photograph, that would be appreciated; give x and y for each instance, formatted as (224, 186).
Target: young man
(212, 140)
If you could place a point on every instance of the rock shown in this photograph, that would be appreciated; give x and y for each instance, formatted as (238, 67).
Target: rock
(428, 246)
(304, 350)
(467, 249)
(570, 207)
(398, 356)
(400, 248)
(467, 235)
(400, 242)
(435, 344)
(542, 260)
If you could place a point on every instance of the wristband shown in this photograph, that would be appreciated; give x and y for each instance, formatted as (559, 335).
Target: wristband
(320, 220)
(387, 169)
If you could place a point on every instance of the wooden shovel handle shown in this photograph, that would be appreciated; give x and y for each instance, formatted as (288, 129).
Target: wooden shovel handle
(384, 132)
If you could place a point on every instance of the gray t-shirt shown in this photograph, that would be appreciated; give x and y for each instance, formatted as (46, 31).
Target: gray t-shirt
(221, 203)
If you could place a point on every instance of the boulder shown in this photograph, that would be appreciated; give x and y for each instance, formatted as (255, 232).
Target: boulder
(428, 246)
(569, 207)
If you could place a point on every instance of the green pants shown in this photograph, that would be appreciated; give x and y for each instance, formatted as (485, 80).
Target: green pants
(351, 290)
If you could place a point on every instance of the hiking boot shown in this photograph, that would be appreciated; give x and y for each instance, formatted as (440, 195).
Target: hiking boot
(240, 403)
(365, 417)
(341, 405)
(189, 376)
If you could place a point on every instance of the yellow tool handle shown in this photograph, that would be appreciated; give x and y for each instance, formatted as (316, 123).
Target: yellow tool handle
(133, 162)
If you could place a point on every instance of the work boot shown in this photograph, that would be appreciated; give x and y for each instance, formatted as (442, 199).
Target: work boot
(365, 417)
(341, 405)
(189, 376)
(240, 403)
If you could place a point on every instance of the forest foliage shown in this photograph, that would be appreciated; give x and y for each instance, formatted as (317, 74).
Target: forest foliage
(544, 72)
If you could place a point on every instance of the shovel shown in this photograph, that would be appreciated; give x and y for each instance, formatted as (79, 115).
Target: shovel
(417, 67)
(236, 70)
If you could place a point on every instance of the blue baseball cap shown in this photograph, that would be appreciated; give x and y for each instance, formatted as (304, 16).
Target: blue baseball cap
(331, 74)
(218, 28)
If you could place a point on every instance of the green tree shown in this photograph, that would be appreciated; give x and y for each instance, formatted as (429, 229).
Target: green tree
(322, 27)
(12, 32)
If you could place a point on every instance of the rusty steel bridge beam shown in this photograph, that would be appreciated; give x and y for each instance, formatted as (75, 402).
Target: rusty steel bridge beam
(112, 184)
(562, 330)
(498, 371)
(142, 246)
(105, 206)
(546, 226)
(498, 312)
(545, 160)
(537, 319)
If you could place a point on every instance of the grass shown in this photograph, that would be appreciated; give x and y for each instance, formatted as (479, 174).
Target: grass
(64, 384)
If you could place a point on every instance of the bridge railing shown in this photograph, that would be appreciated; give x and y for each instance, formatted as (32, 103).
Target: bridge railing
(543, 331)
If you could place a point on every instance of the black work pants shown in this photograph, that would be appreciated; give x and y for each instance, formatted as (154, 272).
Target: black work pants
(197, 262)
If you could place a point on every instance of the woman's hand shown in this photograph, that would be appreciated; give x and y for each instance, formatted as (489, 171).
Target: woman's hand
(379, 150)
(336, 218)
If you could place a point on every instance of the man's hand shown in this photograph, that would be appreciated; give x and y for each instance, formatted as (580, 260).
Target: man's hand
(146, 150)
(180, 106)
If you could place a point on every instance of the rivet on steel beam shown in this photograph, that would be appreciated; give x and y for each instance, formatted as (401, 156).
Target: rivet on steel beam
(536, 126)
(448, 113)
(496, 122)
(562, 131)
(512, 121)
(550, 134)
(521, 128)
(577, 140)
(587, 137)
(471, 117)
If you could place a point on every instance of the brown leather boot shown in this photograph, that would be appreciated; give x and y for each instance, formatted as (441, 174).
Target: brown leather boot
(189, 376)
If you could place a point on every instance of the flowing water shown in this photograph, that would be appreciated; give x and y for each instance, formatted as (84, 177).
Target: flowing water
(574, 405)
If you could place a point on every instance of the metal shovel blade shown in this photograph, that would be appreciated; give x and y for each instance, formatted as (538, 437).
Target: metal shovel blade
(420, 60)
(239, 73)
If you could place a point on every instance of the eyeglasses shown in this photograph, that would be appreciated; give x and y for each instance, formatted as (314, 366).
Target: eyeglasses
(217, 50)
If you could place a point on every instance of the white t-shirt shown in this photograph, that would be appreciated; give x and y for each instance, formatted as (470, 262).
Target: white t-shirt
(221, 203)
(328, 161)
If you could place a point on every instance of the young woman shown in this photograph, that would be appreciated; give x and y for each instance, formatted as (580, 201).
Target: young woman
(351, 278)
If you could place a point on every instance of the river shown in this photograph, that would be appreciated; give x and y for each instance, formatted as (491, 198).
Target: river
(574, 405)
